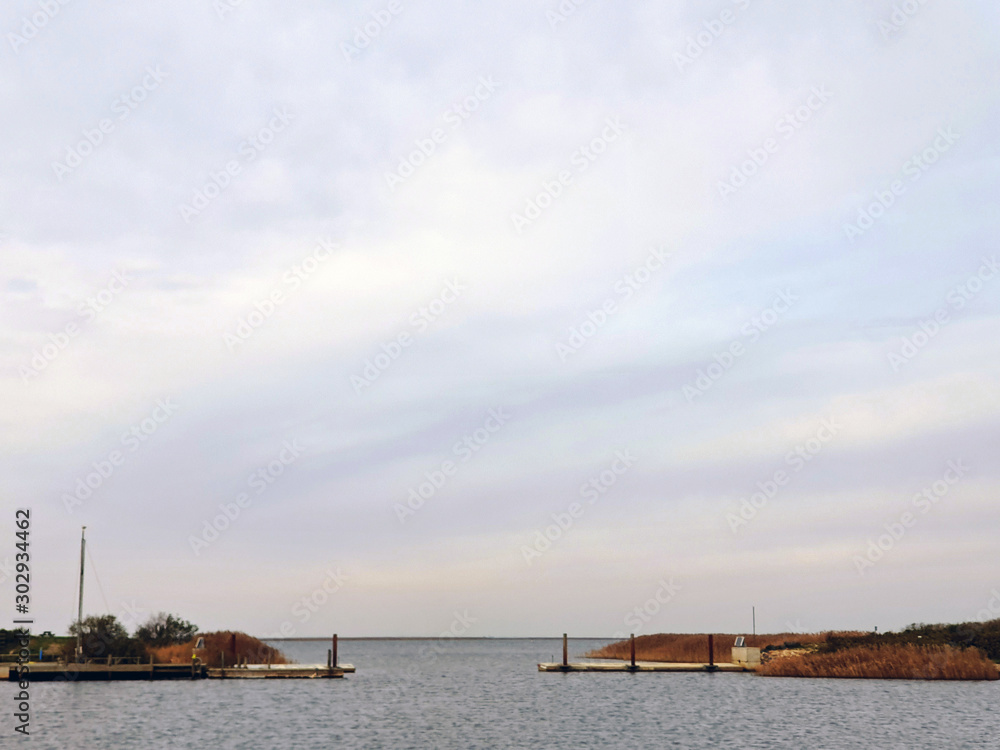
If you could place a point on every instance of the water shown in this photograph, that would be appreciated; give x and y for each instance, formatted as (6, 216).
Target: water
(488, 694)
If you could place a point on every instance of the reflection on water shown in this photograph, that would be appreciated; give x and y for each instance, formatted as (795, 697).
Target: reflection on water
(488, 694)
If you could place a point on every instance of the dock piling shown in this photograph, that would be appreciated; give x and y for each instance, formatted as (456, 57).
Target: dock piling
(334, 652)
(565, 662)
(632, 643)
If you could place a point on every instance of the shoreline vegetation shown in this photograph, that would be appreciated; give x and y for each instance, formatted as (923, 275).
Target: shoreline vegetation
(222, 648)
(164, 639)
(966, 651)
(693, 647)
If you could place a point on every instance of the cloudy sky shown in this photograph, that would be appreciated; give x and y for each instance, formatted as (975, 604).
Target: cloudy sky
(594, 317)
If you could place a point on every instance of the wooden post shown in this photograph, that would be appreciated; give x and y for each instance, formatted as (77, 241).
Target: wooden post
(711, 650)
(329, 659)
(333, 652)
(633, 649)
(565, 651)
(232, 643)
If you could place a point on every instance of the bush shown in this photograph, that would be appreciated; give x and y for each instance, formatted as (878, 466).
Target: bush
(102, 636)
(165, 630)
(982, 635)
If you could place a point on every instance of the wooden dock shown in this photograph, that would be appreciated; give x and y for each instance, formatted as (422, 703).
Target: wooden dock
(276, 672)
(640, 666)
(55, 671)
(741, 662)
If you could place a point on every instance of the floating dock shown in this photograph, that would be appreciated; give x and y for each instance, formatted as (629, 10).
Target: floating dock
(276, 672)
(57, 672)
(744, 660)
(640, 666)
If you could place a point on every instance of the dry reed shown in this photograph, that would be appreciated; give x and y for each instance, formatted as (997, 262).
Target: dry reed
(693, 647)
(218, 644)
(891, 662)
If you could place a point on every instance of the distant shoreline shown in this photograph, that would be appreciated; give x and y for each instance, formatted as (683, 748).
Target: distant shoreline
(444, 638)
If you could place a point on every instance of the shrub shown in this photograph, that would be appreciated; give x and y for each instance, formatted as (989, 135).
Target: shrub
(165, 630)
(102, 636)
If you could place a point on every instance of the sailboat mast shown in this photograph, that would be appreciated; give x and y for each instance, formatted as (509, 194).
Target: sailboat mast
(79, 610)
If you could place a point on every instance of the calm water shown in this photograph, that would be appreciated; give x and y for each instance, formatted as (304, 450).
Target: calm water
(488, 694)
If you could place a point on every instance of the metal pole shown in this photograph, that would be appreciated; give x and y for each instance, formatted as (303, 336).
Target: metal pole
(711, 650)
(754, 620)
(633, 650)
(79, 607)
(334, 651)
(565, 651)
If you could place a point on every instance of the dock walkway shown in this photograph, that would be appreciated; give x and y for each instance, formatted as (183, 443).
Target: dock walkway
(55, 671)
(641, 666)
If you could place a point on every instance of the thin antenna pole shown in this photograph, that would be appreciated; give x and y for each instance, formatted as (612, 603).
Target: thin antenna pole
(754, 620)
(79, 610)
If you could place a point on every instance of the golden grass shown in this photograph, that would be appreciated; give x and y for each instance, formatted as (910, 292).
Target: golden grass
(693, 647)
(216, 644)
(889, 662)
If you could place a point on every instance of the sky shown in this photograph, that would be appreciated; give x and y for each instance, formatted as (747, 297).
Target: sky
(502, 319)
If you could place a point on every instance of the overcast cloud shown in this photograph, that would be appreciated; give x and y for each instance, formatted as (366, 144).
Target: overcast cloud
(257, 257)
